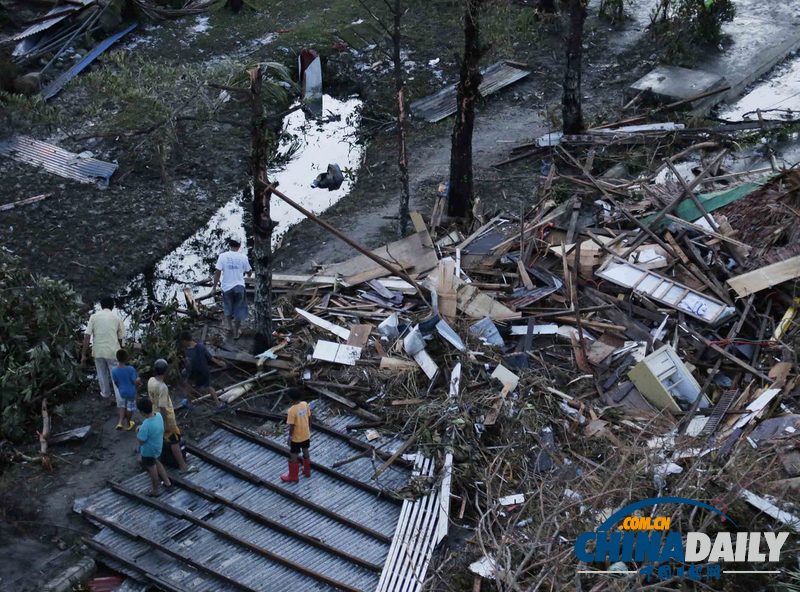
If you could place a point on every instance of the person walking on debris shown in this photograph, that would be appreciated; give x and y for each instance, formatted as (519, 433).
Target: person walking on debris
(151, 441)
(232, 265)
(125, 379)
(299, 420)
(105, 331)
(197, 359)
(158, 392)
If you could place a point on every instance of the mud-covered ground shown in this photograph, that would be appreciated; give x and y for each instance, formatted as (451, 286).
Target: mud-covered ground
(171, 179)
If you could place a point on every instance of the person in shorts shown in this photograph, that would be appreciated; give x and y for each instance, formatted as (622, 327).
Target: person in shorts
(158, 393)
(150, 436)
(299, 420)
(197, 370)
(125, 379)
(231, 267)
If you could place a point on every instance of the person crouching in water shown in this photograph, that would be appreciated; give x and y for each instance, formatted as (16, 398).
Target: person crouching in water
(299, 420)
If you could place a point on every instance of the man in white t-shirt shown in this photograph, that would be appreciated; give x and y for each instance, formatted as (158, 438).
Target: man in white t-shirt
(232, 266)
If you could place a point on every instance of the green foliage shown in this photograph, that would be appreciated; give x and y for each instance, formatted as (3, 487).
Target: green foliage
(680, 22)
(157, 338)
(39, 319)
(19, 112)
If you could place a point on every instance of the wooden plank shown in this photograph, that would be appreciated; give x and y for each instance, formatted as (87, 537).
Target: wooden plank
(374, 274)
(446, 289)
(473, 302)
(705, 230)
(346, 402)
(418, 221)
(359, 335)
(400, 402)
(398, 364)
(766, 277)
(417, 249)
(340, 332)
(523, 274)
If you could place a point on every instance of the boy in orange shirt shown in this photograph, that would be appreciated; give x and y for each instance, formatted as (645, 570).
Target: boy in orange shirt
(299, 420)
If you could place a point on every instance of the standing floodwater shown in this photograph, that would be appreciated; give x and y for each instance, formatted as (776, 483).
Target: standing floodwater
(309, 146)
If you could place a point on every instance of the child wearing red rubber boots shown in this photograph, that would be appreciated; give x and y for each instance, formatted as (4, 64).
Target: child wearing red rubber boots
(299, 420)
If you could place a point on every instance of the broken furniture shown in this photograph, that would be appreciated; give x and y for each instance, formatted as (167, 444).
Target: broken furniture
(664, 380)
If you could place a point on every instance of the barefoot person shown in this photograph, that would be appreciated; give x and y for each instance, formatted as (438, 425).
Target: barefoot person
(105, 331)
(151, 440)
(197, 359)
(299, 420)
(125, 379)
(158, 392)
(231, 266)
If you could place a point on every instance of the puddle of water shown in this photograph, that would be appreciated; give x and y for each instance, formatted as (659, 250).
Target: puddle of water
(780, 91)
(320, 143)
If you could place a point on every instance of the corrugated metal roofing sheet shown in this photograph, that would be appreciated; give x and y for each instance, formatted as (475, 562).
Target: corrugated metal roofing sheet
(58, 161)
(151, 526)
(59, 13)
(443, 104)
(54, 87)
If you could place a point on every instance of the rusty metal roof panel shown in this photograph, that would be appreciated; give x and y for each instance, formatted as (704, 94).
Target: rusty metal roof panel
(58, 161)
(443, 104)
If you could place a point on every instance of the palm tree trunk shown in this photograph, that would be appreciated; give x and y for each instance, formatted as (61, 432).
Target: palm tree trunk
(571, 102)
(262, 222)
(461, 187)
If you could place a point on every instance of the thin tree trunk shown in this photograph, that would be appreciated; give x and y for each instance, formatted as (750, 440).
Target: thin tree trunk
(262, 221)
(461, 188)
(401, 123)
(572, 115)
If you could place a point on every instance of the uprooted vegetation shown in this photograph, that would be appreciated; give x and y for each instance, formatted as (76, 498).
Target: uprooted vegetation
(39, 320)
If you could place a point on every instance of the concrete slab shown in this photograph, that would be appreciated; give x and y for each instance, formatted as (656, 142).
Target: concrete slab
(763, 34)
(669, 84)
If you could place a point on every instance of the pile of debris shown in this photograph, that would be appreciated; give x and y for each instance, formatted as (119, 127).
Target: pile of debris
(55, 34)
(616, 341)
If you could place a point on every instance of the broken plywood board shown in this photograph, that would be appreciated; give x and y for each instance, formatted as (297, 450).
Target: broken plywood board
(664, 290)
(340, 332)
(443, 104)
(374, 274)
(338, 353)
(359, 336)
(446, 289)
(474, 303)
(388, 363)
(766, 277)
(592, 255)
(417, 249)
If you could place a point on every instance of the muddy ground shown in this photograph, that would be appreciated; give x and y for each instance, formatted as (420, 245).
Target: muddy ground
(171, 180)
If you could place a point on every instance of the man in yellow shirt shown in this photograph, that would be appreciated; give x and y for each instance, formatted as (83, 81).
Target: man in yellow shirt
(299, 420)
(158, 393)
(106, 332)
